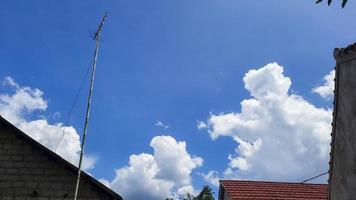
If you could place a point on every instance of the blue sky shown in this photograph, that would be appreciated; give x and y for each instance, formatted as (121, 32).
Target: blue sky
(178, 62)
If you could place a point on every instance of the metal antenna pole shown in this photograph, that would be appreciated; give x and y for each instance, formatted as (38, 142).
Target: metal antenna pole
(97, 39)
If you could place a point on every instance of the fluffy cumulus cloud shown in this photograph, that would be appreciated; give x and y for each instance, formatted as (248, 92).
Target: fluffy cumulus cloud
(18, 102)
(211, 177)
(165, 173)
(327, 89)
(279, 135)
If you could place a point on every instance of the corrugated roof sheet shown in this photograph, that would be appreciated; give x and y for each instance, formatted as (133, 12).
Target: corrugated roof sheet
(259, 190)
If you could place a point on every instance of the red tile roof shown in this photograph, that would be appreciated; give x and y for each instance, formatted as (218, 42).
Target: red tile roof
(258, 190)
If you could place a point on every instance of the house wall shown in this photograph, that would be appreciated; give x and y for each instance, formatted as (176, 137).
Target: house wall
(28, 172)
(342, 167)
(226, 196)
(223, 195)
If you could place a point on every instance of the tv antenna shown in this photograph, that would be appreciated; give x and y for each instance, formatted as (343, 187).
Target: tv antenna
(95, 57)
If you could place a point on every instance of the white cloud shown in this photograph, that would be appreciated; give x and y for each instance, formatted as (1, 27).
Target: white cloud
(161, 124)
(184, 190)
(327, 89)
(279, 136)
(23, 101)
(9, 81)
(165, 173)
(201, 125)
(212, 177)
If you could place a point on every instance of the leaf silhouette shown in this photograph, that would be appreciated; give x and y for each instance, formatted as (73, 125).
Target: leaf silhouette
(344, 3)
(330, 1)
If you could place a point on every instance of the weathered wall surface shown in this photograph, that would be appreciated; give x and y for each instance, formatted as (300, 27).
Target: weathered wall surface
(343, 159)
(27, 172)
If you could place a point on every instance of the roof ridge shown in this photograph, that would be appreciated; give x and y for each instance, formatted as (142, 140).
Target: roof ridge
(275, 182)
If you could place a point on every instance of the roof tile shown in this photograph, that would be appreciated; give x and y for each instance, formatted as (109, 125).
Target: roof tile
(260, 190)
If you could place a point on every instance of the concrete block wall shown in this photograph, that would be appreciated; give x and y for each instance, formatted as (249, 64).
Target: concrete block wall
(342, 178)
(27, 172)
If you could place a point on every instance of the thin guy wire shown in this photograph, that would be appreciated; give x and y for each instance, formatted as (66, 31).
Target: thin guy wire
(73, 104)
(322, 174)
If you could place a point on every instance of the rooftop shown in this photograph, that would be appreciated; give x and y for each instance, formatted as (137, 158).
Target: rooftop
(258, 190)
